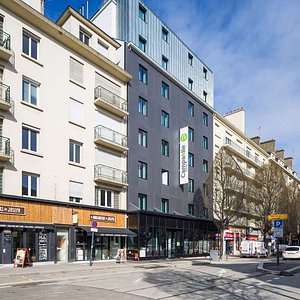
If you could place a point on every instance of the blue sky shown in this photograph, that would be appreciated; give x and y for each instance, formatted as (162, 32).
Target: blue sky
(253, 48)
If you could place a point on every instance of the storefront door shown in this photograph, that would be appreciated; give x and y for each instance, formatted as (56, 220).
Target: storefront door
(62, 243)
(6, 250)
(171, 244)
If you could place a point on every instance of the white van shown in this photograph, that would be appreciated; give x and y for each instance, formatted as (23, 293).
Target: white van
(253, 248)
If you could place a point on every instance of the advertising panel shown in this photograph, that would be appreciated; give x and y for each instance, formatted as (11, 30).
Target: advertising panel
(183, 155)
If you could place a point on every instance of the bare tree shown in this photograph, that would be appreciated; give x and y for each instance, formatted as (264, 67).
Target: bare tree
(229, 191)
(267, 191)
(290, 205)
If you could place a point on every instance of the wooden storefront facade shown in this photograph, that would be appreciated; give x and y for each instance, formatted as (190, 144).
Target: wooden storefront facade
(59, 231)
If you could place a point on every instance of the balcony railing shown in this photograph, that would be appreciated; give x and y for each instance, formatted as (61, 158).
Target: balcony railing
(103, 95)
(5, 40)
(106, 134)
(5, 95)
(109, 174)
(6, 153)
(242, 151)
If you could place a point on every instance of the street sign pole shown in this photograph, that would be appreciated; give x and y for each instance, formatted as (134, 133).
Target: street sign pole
(277, 247)
(92, 248)
(278, 233)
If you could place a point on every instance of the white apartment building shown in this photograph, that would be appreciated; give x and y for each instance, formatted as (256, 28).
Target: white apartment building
(250, 154)
(63, 127)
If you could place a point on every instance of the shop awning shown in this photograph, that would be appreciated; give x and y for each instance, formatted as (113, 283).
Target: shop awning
(109, 231)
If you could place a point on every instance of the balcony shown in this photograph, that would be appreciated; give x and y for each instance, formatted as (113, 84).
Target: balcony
(108, 175)
(5, 50)
(6, 153)
(110, 102)
(5, 101)
(109, 138)
(244, 154)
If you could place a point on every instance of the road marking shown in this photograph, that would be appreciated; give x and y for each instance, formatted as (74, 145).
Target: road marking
(269, 280)
(138, 280)
(221, 272)
(5, 287)
(276, 278)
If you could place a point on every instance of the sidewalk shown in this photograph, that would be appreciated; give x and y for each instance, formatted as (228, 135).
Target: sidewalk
(285, 268)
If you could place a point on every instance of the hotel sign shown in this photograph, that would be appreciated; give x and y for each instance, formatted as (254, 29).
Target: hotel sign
(12, 210)
(183, 155)
(100, 218)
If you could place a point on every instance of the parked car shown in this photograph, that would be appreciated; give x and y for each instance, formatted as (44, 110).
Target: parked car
(253, 249)
(291, 252)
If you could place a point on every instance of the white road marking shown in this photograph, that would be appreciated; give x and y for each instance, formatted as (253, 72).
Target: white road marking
(5, 287)
(221, 272)
(138, 280)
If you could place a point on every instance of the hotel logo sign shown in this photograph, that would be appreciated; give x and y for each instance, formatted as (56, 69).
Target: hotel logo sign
(12, 210)
(183, 155)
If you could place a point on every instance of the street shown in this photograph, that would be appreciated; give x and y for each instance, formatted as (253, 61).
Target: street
(183, 279)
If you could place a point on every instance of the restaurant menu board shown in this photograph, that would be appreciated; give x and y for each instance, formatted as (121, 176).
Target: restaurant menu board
(7, 238)
(43, 245)
(22, 257)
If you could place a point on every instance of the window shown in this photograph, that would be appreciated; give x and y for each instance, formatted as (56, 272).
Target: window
(205, 189)
(205, 212)
(165, 205)
(30, 44)
(142, 201)
(76, 71)
(191, 159)
(30, 184)
(1, 180)
(205, 119)
(190, 59)
(30, 139)
(205, 96)
(105, 198)
(165, 34)
(191, 209)
(191, 134)
(76, 113)
(142, 44)
(205, 142)
(191, 185)
(164, 148)
(164, 62)
(143, 138)
(205, 166)
(142, 170)
(165, 177)
(143, 74)
(190, 108)
(228, 141)
(75, 152)
(190, 84)
(84, 36)
(142, 13)
(165, 90)
(205, 73)
(143, 106)
(102, 48)
(164, 119)
(75, 191)
(30, 92)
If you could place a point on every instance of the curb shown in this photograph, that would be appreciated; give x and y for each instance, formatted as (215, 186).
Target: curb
(288, 272)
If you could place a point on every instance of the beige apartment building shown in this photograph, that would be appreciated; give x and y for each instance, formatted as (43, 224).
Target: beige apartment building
(63, 127)
(250, 154)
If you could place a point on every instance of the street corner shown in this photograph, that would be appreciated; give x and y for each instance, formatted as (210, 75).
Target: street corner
(284, 269)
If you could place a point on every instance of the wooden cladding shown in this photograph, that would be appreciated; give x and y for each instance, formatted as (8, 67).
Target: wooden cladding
(51, 213)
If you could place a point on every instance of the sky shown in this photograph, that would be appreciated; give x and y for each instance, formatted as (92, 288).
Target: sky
(253, 48)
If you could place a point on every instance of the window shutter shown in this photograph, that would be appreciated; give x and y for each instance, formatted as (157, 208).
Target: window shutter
(76, 70)
(116, 200)
(76, 189)
(107, 84)
(76, 111)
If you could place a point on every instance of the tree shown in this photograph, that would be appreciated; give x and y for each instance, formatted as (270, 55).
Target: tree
(290, 205)
(229, 191)
(267, 190)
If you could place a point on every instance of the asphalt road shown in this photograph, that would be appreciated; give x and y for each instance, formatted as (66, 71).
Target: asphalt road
(187, 279)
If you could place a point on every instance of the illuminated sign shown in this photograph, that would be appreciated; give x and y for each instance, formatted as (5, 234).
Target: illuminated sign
(183, 155)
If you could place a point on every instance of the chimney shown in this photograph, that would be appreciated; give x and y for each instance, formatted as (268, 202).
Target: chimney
(268, 146)
(289, 162)
(256, 140)
(279, 154)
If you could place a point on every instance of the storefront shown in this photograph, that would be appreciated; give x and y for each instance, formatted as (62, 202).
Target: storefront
(57, 231)
(169, 236)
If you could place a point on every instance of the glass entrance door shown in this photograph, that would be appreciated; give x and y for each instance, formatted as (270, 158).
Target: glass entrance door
(170, 244)
(62, 243)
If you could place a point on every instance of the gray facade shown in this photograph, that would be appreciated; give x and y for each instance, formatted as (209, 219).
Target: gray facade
(177, 107)
(131, 27)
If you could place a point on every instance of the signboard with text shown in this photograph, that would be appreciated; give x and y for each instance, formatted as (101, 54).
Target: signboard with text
(183, 155)
(12, 210)
(100, 218)
(278, 228)
(278, 217)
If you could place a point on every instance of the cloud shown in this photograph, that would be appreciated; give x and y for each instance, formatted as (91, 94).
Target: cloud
(253, 49)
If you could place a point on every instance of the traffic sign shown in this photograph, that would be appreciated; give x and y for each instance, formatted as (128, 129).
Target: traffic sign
(94, 229)
(94, 224)
(278, 223)
(277, 217)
